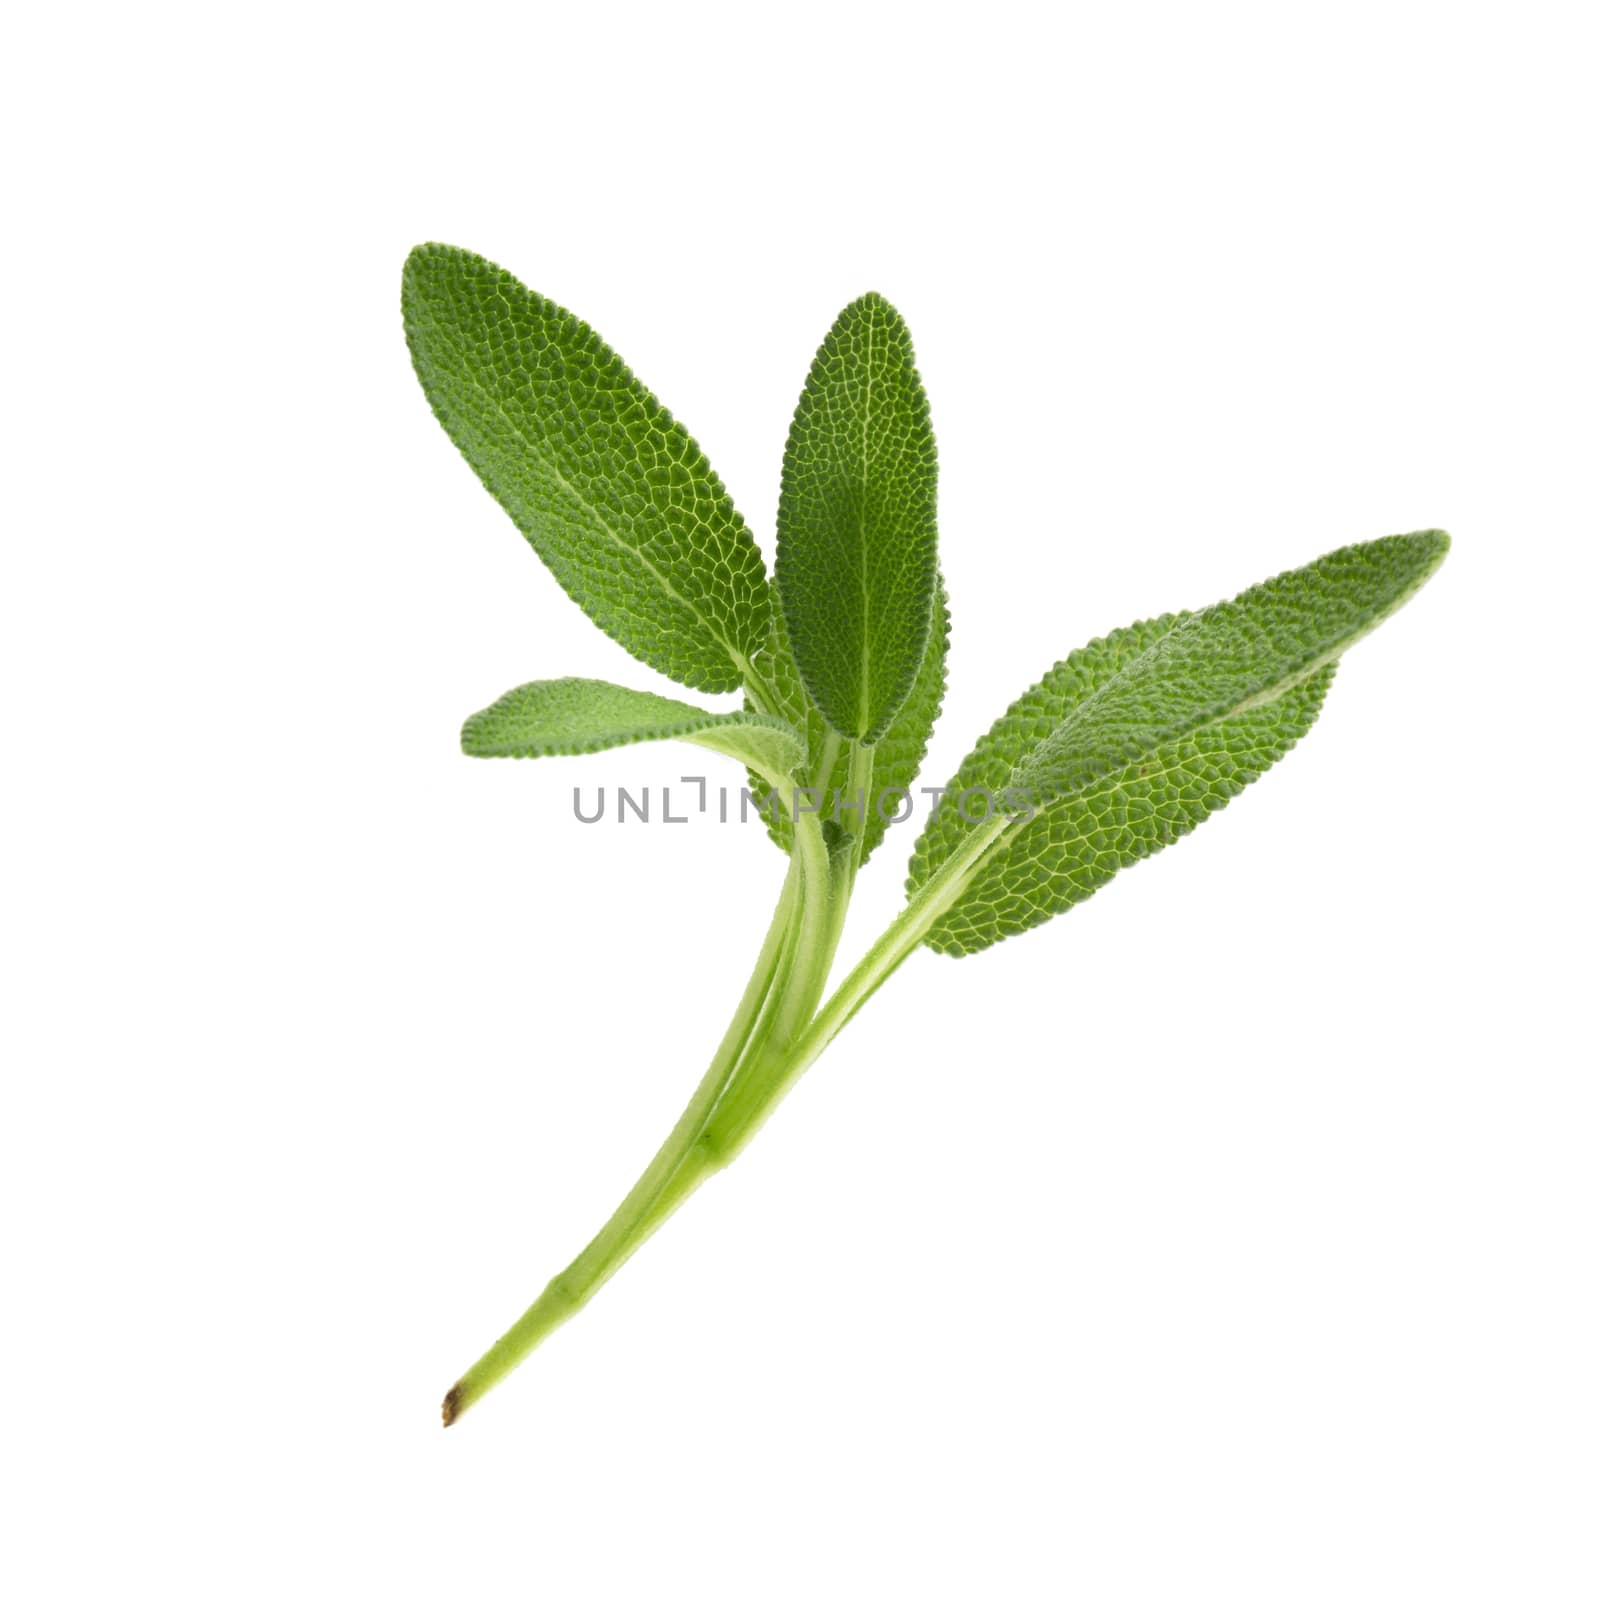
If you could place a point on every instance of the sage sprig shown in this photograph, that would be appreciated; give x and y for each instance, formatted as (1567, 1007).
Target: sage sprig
(1121, 748)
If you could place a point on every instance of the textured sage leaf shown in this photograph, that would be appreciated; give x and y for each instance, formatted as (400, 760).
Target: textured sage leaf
(897, 757)
(572, 716)
(616, 498)
(1228, 658)
(1074, 845)
(857, 543)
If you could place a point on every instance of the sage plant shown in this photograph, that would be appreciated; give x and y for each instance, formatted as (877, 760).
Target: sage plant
(1119, 750)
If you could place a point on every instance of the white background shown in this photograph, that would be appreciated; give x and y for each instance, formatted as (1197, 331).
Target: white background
(1234, 1235)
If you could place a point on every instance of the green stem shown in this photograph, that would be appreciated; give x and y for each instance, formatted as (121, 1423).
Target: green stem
(816, 935)
(802, 974)
(679, 1165)
(776, 1033)
(859, 787)
(751, 1101)
(826, 762)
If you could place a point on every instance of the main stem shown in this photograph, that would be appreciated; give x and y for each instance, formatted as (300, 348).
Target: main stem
(776, 1033)
(637, 1217)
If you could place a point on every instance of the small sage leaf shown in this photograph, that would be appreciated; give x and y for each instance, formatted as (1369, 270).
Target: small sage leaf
(573, 716)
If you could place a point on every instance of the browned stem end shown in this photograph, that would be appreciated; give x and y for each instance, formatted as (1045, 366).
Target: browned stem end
(452, 1405)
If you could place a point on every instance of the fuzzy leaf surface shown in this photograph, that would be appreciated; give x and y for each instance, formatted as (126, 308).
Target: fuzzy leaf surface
(1076, 844)
(612, 493)
(897, 757)
(857, 540)
(1228, 658)
(573, 716)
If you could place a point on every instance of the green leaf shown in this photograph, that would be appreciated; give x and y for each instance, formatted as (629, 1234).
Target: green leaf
(572, 716)
(617, 499)
(1230, 657)
(1074, 845)
(857, 543)
(1133, 741)
(897, 757)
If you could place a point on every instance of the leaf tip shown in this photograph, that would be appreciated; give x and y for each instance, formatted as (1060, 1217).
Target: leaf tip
(1432, 545)
(1428, 548)
(420, 256)
(872, 304)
